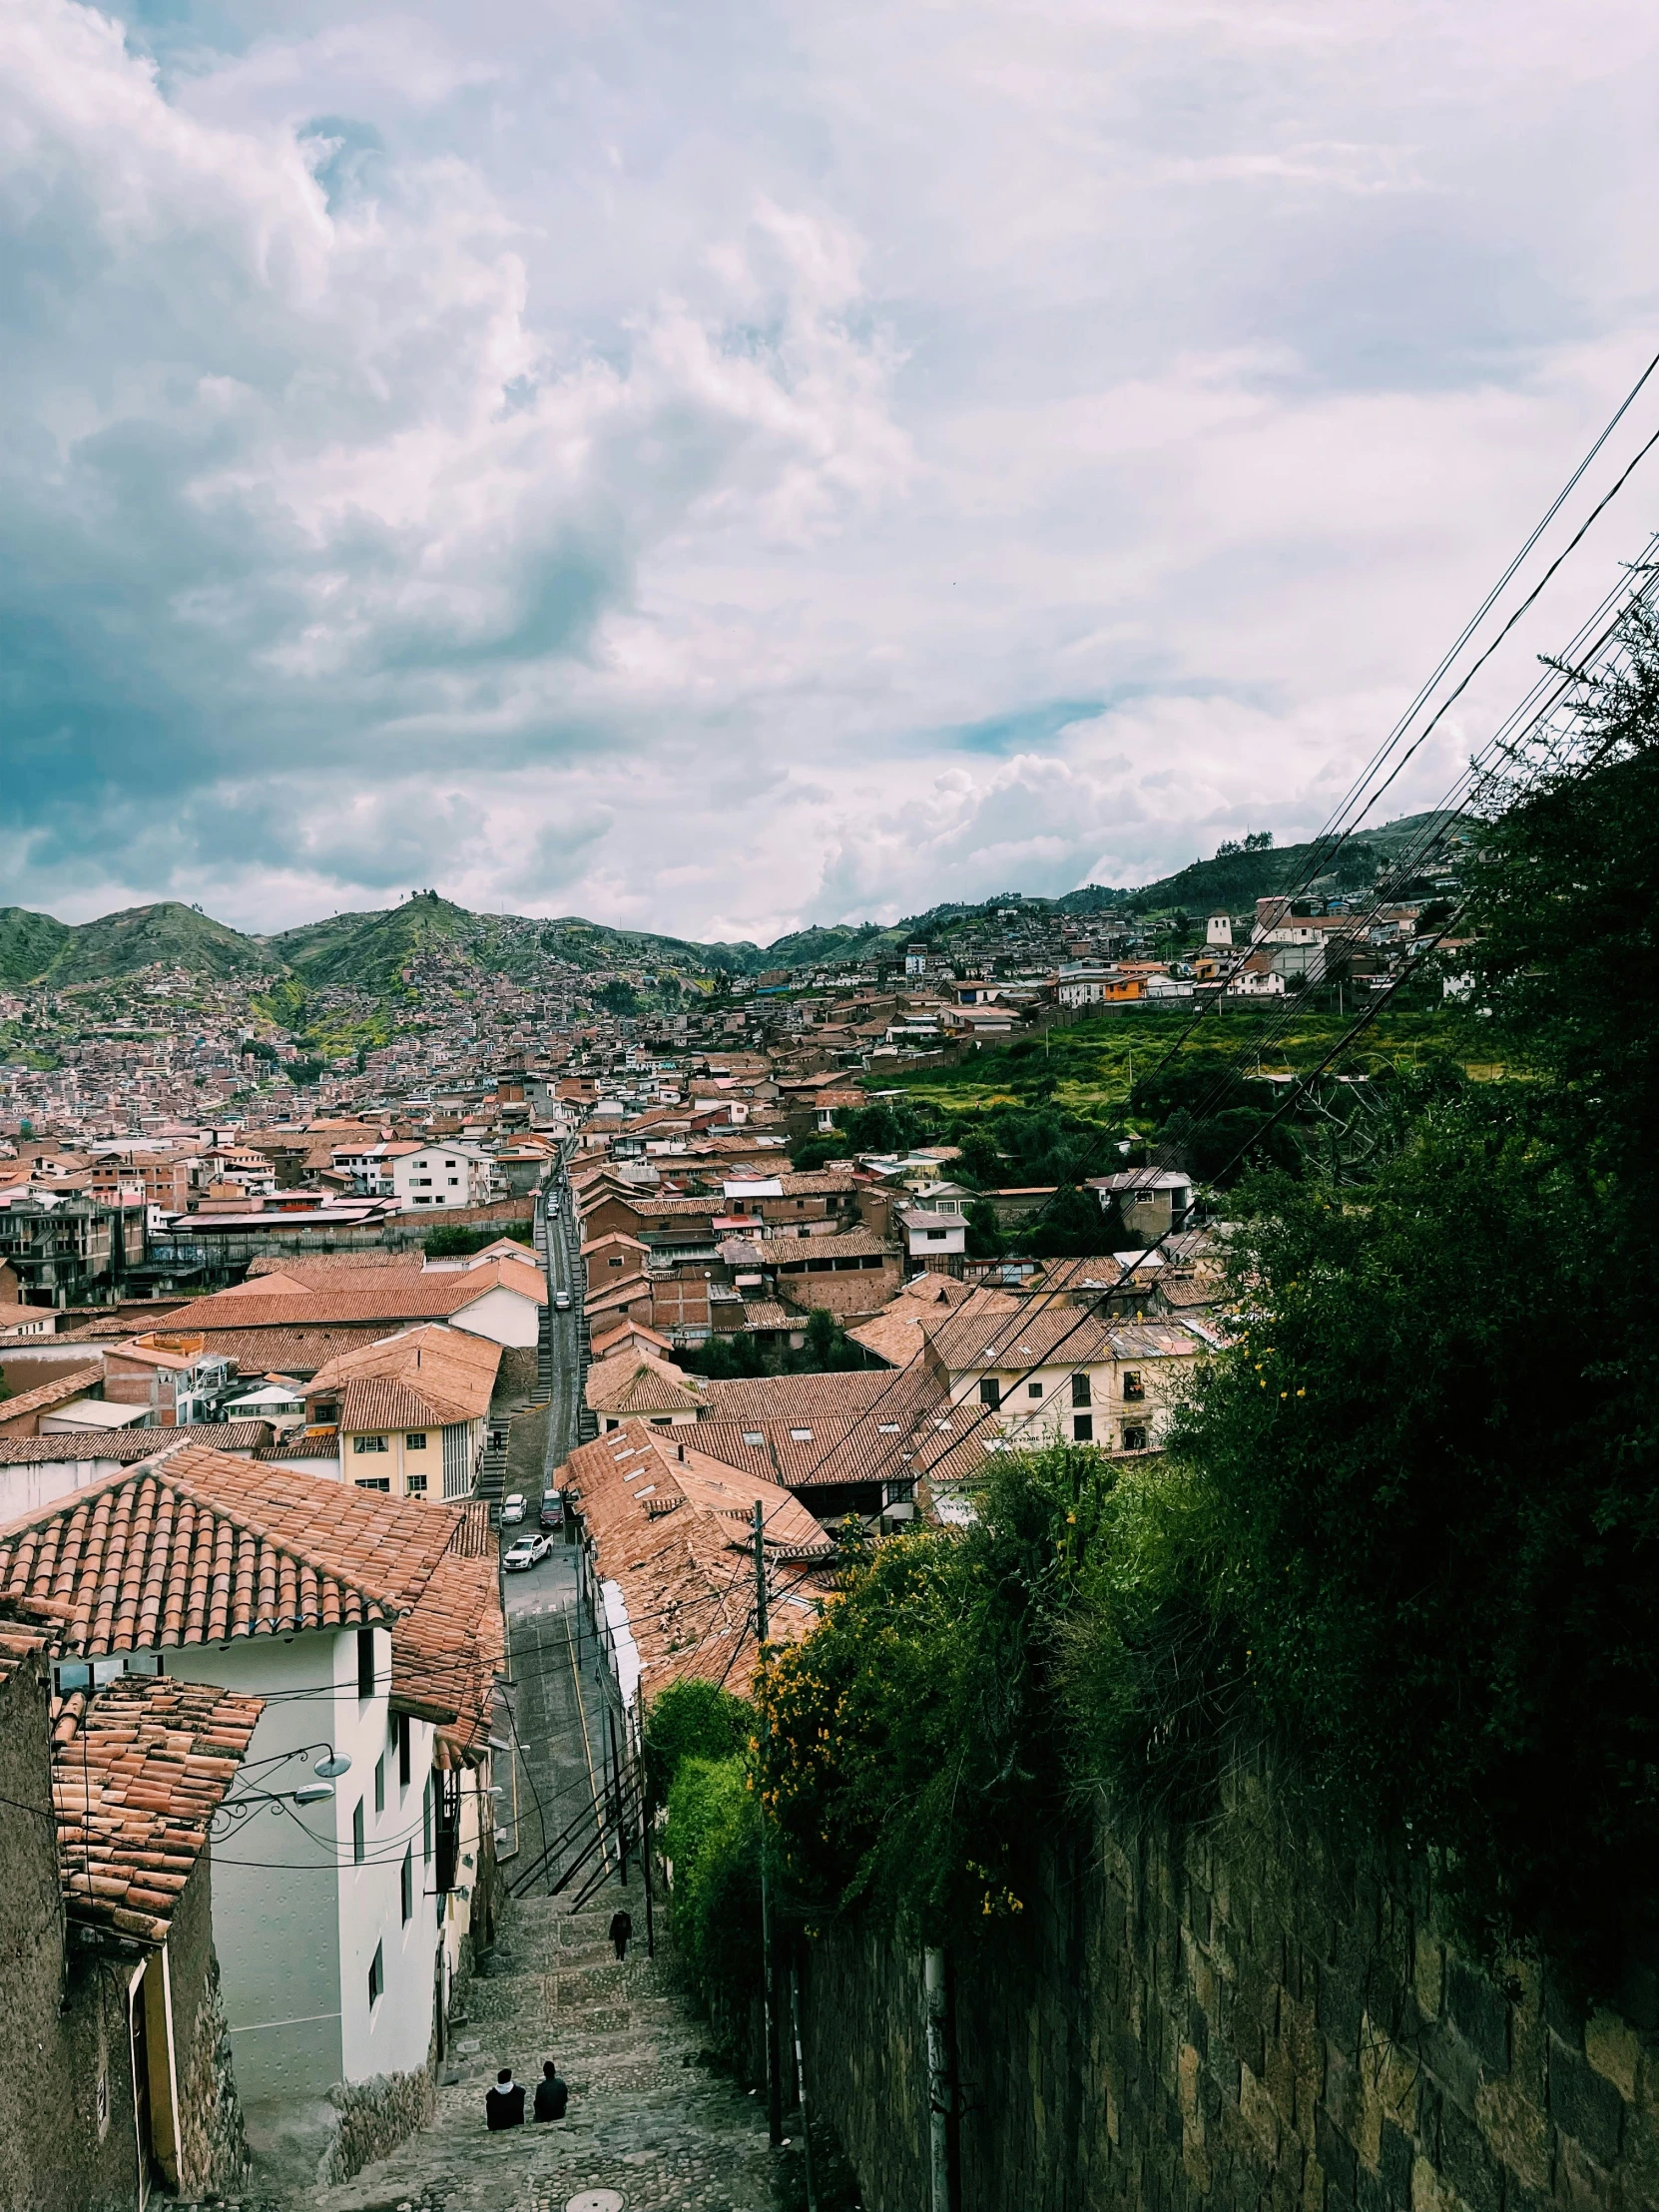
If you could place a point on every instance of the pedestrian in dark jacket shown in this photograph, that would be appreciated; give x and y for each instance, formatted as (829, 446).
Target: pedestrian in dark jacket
(622, 1927)
(504, 2105)
(552, 2094)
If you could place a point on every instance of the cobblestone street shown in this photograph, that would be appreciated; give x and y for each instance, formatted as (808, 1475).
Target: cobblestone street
(646, 2120)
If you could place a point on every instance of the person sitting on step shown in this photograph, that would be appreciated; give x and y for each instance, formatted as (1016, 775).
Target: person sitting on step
(504, 2105)
(552, 2094)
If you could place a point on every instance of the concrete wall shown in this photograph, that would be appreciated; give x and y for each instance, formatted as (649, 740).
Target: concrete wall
(1233, 2018)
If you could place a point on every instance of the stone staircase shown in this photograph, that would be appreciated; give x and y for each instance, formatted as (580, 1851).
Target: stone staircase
(648, 2117)
(492, 1476)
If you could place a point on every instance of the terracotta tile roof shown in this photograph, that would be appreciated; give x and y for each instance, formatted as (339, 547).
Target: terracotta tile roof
(615, 1237)
(973, 1339)
(896, 1337)
(447, 1651)
(297, 1352)
(626, 1292)
(765, 1314)
(326, 1267)
(792, 1254)
(620, 1334)
(45, 1396)
(200, 1547)
(129, 1445)
(427, 1297)
(138, 1770)
(673, 1535)
(640, 1383)
(815, 1431)
(26, 1625)
(432, 1377)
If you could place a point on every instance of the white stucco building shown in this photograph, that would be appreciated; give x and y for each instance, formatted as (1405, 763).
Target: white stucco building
(372, 1628)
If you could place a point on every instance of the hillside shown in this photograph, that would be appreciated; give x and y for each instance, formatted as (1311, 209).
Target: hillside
(369, 953)
(170, 934)
(28, 944)
(1238, 880)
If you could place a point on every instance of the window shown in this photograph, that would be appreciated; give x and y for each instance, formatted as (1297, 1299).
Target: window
(327, 1414)
(936, 1236)
(416, 1441)
(1082, 1428)
(377, 1976)
(990, 1392)
(380, 1783)
(357, 1843)
(368, 1444)
(402, 1751)
(1134, 1439)
(427, 1822)
(408, 1885)
(1033, 1389)
(753, 1437)
(414, 1485)
(365, 1662)
(1080, 1390)
(800, 1435)
(373, 1483)
(1133, 1387)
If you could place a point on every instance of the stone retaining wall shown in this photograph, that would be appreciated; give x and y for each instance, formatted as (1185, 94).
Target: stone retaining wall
(375, 2116)
(1238, 2016)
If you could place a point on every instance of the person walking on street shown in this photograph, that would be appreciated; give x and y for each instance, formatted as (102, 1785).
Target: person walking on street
(504, 2105)
(552, 2094)
(622, 1927)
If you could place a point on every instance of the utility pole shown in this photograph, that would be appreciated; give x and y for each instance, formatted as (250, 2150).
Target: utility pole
(775, 2084)
(800, 2080)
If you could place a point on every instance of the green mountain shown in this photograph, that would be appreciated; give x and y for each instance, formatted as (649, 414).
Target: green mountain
(28, 944)
(1236, 879)
(369, 953)
(313, 939)
(170, 933)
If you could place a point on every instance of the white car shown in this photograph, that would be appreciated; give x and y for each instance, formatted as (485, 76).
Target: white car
(529, 1551)
(561, 1301)
(513, 1509)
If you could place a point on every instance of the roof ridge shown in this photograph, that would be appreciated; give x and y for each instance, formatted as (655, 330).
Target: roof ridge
(161, 1469)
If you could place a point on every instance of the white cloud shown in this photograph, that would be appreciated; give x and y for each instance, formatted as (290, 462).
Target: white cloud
(730, 473)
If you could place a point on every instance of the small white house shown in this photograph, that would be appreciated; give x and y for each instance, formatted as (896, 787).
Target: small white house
(435, 1174)
(930, 1235)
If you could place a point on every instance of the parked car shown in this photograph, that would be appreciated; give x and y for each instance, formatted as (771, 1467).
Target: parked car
(525, 1553)
(513, 1509)
(552, 1514)
(561, 1301)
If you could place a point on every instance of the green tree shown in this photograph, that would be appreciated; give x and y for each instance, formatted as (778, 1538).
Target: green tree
(985, 1240)
(692, 1719)
(1070, 1225)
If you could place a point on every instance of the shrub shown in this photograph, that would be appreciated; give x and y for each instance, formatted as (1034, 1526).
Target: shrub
(713, 1844)
(692, 1720)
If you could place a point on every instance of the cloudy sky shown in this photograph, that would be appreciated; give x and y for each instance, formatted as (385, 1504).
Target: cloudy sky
(724, 464)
